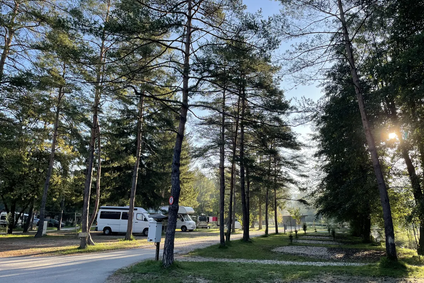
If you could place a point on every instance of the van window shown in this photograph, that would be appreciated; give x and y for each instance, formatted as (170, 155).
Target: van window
(139, 216)
(124, 216)
(110, 215)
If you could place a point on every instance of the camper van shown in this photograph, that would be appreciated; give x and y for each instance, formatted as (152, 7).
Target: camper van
(114, 219)
(3, 218)
(184, 221)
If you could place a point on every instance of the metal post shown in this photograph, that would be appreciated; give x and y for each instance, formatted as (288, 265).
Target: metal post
(157, 251)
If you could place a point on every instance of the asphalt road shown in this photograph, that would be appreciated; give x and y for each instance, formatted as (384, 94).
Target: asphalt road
(90, 267)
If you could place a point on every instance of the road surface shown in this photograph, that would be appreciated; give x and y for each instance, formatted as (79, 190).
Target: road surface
(89, 267)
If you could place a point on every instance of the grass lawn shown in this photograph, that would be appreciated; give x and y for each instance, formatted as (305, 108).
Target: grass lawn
(260, 249)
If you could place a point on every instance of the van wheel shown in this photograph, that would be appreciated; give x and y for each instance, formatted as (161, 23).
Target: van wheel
(145, 231)
(184, 228)
(107, 231)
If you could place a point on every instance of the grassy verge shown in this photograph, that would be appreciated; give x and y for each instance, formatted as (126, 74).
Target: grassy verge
(151, 271)
(261, 249)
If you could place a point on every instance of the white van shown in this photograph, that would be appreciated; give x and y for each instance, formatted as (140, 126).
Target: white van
(3, 218)
(184, 221)
(114, 219)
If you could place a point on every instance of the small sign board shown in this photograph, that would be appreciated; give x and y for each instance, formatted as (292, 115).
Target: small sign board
(171, 200)
(82, 235)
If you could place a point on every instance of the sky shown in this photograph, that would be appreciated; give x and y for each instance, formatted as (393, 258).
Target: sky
(311, 91)
(268, 8)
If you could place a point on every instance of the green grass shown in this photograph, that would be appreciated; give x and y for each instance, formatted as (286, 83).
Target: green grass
(260, 248)
(257, 248)
(151, 271)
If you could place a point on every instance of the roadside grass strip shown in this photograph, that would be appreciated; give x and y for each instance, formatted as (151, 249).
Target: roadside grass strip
(274, 262)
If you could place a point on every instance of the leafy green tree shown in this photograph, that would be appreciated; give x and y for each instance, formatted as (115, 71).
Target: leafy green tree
(342, 20)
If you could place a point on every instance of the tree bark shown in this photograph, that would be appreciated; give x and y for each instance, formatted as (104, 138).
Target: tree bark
(275, 197)
(8, 41)
(62, 207)
(275, 210)
(222, 174)
(242, 172)
(267, 200)
(85, 229)
(384, 197)
(248, 196)
(128, 235)
(51, 163)
(233, 176)
(30, 217)
(168, 251)
(413, 177)
(98, 179)
(260, 216)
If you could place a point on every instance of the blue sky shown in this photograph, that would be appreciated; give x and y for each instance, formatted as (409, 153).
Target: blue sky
(270, 7)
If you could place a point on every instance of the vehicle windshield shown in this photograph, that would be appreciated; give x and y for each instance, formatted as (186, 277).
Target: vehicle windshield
(187, 217)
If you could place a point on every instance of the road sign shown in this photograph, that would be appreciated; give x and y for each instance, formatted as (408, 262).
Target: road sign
(171, 200)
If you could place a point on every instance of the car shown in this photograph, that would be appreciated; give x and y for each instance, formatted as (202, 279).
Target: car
(54, 223)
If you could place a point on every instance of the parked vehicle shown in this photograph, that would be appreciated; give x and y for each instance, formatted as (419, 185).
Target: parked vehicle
(114, 219)
(203, 221)
(184, 221)
(3, 218)
(19, 221)
(237, 225)
(54, 223)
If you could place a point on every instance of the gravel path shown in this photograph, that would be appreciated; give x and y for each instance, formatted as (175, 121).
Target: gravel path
(317, 242)
(317, 237)
(279, 262)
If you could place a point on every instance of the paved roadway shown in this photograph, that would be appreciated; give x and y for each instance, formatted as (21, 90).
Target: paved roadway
(89, 267)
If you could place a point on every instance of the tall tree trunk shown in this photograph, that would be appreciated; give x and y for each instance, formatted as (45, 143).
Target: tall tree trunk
(384, 197)
(30, 217)
(275, 197)
(98, 179)
(222, 175)
(267, 200)
(233, 215)
(128, 235)
(51, 163)
(11, 219)
(233, 176)
(247, 196)
(242, 172)
(85, 229)
(168, 251)
(413, 177)
(260, 215)
(275, 210)
(10, 32)
(62, 207)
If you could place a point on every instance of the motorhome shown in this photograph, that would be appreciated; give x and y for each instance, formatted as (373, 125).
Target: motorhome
(114, 219)
(184, 221)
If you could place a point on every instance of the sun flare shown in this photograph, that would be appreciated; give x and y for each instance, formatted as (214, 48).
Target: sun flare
(392, 136)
